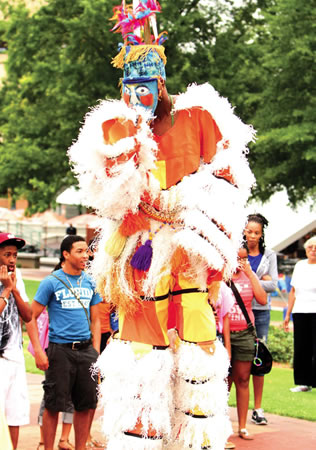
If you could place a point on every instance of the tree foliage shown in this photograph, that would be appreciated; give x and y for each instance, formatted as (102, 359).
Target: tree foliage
(258, 55)
(58, 65)
(285, 154)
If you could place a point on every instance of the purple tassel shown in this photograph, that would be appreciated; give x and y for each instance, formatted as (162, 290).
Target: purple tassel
(142, 257)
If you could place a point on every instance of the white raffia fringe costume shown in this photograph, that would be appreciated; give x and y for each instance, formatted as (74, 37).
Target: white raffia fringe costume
(148, 386)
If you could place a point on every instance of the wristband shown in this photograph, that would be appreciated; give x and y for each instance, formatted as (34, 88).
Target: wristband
(5, 299)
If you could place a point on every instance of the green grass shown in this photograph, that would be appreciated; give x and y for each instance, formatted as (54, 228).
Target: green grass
(31, 288)
(277, 398)
(276, 316)
(29, 359)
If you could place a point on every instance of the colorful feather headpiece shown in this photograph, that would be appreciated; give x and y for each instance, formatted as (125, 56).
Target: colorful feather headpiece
(142, 55)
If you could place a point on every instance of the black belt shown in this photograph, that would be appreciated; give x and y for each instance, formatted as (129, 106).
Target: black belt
(77, 345)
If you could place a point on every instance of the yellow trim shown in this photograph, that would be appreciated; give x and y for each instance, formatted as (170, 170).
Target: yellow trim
(160, 173)
(198, 318)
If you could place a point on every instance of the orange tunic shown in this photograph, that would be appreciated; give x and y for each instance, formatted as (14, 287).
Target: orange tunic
(193, 136)
(104, 314)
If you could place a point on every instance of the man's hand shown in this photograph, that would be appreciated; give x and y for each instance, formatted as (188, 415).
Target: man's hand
(7, 279)
(41, 360)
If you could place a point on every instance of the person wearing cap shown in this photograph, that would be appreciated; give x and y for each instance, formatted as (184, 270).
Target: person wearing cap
(13, 307)
(169, 178)
(74, 341)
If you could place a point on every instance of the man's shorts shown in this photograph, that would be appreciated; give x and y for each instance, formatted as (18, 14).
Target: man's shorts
(69, 376)
(242, 345)
(14, 399)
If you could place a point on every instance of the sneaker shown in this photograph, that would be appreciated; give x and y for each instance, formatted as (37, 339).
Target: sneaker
(301, 389)
(258, 417)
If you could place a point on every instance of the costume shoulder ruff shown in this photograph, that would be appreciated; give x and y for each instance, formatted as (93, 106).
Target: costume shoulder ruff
(207, 207)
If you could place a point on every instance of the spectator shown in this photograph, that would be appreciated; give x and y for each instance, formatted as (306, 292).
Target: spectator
(67, 420)
(242, 339)
(302, 304)
(13, 307)
(224, 305)
(264, 263)
(72, 303)
(67, 416)
(71, 231)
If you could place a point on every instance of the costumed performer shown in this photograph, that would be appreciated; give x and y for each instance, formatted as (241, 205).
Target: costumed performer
(170, 175)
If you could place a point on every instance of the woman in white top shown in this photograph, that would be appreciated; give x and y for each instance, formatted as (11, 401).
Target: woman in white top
(302, 303)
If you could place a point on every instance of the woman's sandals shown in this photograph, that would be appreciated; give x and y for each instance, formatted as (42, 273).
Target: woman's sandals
(243, 434)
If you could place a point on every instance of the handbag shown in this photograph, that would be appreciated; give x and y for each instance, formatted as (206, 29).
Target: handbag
(262, 362)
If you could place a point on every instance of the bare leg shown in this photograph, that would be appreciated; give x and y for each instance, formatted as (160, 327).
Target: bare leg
(14, 433)
(241, 375)
(65, 431)
(82, 427)
(92, 411)
(41, 434)
(258, 390)
(50, 420)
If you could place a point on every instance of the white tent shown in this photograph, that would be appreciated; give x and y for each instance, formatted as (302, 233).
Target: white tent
(71, 196)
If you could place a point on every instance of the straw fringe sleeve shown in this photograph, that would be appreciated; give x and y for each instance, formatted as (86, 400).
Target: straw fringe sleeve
(112, 159)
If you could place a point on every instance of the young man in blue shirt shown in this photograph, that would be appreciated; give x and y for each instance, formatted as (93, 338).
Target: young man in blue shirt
(74, 340)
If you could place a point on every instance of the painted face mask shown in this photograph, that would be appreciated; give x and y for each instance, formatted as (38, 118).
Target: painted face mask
(142, 93)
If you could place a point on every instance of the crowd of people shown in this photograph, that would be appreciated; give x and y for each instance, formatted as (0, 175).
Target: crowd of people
(75, 334)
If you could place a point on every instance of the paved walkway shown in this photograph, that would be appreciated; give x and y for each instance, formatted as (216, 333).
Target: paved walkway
(29, 435)
(282, 433)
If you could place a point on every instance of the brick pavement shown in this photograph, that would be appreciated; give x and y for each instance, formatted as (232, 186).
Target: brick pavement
(282, 433)
(29, 435)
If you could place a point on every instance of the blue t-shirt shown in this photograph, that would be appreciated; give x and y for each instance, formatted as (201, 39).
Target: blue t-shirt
(67, 318)
(254, 261)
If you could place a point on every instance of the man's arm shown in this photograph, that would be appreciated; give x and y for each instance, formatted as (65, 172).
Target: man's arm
(95, 327)
(290, 306)
(41, 359)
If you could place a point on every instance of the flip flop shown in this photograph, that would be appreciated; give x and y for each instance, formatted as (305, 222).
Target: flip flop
(243, 434)
(94, 443)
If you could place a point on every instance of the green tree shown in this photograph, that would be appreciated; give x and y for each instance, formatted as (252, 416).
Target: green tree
(258, 55)
(58, 65)
(285, 154)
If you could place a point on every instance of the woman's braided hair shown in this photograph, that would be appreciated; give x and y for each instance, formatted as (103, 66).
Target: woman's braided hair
(259, 218)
